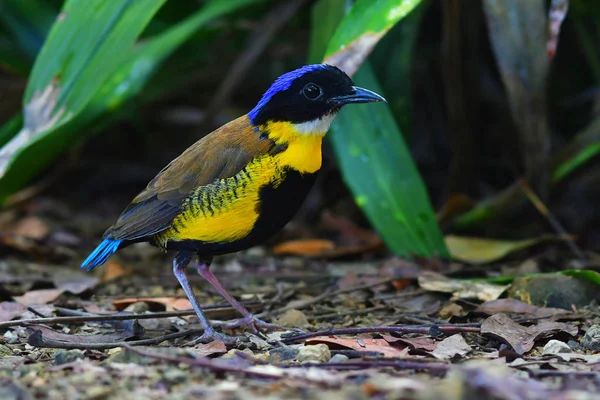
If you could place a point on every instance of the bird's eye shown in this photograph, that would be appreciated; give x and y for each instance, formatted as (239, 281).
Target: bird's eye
(311, 91)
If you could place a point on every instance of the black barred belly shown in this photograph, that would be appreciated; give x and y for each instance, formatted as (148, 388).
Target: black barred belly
(277, 207)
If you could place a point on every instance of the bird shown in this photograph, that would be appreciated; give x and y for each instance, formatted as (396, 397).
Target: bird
(239, 185)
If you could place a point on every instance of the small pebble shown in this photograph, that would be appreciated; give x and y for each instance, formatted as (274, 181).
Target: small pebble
(318, 353)
(339, 358)
(11, 337)
(556, 347)
(591, 340)
(137, 308)
(66, 356)
(292, 319)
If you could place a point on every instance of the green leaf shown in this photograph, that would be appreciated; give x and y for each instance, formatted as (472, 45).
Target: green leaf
(374, 159)
(28, 22)
(379, 170)
(125, 73)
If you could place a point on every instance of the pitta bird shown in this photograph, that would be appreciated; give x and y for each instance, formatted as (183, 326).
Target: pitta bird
(240, 184)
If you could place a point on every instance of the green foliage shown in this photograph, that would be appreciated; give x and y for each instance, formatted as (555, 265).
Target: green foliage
(375, 161)
(87, 69)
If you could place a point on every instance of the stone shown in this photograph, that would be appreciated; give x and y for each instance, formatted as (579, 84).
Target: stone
(292, 319)
(591, 339)
(318, 353)
(66, 356)
(339, 358)
(556, 347)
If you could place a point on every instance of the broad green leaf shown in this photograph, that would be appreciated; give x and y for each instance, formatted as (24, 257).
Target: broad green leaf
(360, 30)
(28, 22)
(375, 162)
(125, 79)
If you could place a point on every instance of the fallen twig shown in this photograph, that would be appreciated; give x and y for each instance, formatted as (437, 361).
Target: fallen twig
(204, 363)
(110, 317)
(432, 330)
(36, 339)
(397, 364)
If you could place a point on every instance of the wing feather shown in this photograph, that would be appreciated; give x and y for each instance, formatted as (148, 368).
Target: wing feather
(219, 155)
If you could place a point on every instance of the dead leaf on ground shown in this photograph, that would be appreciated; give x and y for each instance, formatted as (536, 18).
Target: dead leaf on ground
(170, 303)
(417, 343)
(32, 228)
(75, 282)
(304, 247)
(10, 310)
(451, 347)
(478, 250)
(462, 289)
(508, 306)
(369, 344)
(520, 338)
(39, 332)
(42, 296)
(112, 271)
(209, 349)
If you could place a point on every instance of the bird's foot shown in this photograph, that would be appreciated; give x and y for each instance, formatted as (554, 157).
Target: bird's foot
(210, 335)
(253, 324)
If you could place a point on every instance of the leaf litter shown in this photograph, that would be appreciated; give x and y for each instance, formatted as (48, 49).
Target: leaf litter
(366, 327)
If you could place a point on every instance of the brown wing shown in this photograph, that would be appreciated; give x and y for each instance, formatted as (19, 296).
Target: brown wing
(221, 154)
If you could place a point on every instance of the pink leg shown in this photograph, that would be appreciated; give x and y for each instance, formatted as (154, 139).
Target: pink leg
(248, 319)
(179, 265)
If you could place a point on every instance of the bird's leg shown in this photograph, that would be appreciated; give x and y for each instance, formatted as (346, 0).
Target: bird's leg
(247, 319)
(180, 263)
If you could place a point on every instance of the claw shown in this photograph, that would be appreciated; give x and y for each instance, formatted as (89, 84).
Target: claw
(210, 336)
(253, 324)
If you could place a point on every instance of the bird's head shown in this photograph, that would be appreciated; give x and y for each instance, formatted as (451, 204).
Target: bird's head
(308, 98)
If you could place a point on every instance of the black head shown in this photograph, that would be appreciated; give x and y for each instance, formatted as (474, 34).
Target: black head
(307, 94)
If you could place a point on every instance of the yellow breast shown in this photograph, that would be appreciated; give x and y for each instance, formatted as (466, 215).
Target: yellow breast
(226, 210)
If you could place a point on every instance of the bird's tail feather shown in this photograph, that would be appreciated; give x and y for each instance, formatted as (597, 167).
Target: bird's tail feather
(101, 253)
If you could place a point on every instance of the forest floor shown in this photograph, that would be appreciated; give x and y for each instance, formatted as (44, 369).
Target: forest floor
(358, 323)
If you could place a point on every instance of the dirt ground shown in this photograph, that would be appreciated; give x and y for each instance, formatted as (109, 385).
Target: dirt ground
(356, 322)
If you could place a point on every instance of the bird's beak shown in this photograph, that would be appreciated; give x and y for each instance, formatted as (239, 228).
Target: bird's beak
(360, 95)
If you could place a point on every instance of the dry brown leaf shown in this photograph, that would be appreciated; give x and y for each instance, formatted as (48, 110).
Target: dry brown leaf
(32, 228)
(10, 310)
(75, 282)
(369, 344)
(112, 271)
(41, 296)
(418, 343)
(451, 347)
(520, 338)
(479, 250)
(462, 289)
(304, 247)
(209, 349)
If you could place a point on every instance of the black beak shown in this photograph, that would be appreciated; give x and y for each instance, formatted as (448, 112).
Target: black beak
(360, 95)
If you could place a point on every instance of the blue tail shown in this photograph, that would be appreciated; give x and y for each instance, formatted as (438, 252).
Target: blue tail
(101, 254)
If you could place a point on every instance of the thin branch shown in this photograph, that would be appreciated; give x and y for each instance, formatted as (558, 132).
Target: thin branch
(432, 330)
(38, 340)
(397, 364)
(204, 363)
(109, 317)
(552, 220)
